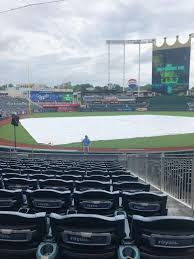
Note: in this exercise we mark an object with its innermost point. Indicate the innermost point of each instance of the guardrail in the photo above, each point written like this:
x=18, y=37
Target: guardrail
x=173, y=175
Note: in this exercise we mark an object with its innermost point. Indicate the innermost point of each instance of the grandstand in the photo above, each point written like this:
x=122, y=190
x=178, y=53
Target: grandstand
x=99, y=206
x=10, y=105
x=169, y=103
x=54, y=101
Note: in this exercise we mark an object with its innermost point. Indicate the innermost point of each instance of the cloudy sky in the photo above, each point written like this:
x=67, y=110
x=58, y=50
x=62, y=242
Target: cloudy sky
x=66, y=41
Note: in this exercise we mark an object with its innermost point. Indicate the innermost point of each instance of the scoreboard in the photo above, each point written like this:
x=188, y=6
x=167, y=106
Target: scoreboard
x=49, y=96
x=170, y=70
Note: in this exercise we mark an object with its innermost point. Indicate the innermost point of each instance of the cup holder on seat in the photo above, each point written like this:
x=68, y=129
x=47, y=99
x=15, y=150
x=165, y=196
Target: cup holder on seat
x=128, y=252
x=47, y=250
x=23, y=210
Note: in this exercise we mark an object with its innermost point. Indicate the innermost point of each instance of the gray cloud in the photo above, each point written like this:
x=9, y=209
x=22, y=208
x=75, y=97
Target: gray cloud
x=66, y=41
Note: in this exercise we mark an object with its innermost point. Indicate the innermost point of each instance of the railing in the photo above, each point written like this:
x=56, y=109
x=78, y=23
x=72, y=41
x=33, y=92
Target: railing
x=173, y=175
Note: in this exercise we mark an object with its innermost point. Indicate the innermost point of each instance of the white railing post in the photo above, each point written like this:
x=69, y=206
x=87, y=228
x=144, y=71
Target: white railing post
x=192, y=186
x=162, y=172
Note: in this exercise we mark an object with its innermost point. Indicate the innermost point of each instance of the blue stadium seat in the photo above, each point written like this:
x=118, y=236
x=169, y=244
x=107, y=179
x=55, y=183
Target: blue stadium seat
x=21, y=234
x=52, y=172
x=75, y=172
x=30, y=171
x=96, y=202
x=41, y=176
x=164, y=237
x=56, y=184
x=97, y=172
x=48, y=201
x=91, y=185
x=20, y=183
x=119, y=172
x=144, y=203
x=10, y=171
x=101, y=178
x=14, y=175
x=131, y=187
x=10, y=200
x=124, y=178
x=67, y=177
x=87, y=236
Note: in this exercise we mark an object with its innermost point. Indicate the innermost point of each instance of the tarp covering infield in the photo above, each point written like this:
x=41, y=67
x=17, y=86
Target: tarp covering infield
x=65, y=130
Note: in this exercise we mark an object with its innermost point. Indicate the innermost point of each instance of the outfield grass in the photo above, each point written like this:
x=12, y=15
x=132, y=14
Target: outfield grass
x=6, y=132
x=82, y=114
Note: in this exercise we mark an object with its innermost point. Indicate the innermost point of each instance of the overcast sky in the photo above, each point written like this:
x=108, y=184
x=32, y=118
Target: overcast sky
x=66, y=41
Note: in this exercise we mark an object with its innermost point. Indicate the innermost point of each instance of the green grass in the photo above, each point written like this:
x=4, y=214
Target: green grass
x=82, y=114
x=148, y=142
x=6, y=132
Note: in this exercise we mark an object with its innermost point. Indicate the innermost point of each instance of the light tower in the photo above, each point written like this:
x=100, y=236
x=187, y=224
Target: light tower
x=124, y=43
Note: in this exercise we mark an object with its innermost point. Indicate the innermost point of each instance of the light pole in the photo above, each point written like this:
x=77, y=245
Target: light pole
x=124, y=43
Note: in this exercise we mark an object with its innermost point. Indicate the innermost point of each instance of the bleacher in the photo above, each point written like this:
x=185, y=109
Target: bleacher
x=168, y=103
x=108, y=107
x=85, y=210
x=10, y=105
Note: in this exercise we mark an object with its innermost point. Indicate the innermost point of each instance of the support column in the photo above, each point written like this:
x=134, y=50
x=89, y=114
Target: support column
x=108, y=64
x=139, y=72
x=123, y=67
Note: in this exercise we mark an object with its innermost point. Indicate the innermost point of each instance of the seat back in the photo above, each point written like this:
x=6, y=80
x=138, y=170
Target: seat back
x=11, y=171
x=41, y=176
x=97, y=172
x=30, y=171
x=96, y=202
x=76, y=172
x=10, y=200
x=90, y=185
x=20, y=183
x=87, y=236
x=124, y=178
x=67, y=177
x=131, y=187
x=20, y=234
x=144, y=204
x=164, y=237
x=48, y=201
x=101, y=178
x=53, y=172
x=14, y=175
x=56, y=184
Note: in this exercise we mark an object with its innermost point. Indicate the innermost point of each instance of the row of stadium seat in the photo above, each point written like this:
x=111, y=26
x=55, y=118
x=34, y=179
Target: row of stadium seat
x=70, y=164
x=62, y=171
x=92, y=201
x=86, y=236
x=93, y=217
x=62, y=185
x=72, y=177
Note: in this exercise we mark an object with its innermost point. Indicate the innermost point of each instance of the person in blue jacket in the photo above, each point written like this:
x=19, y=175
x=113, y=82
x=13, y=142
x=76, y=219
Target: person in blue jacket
x=86, y=144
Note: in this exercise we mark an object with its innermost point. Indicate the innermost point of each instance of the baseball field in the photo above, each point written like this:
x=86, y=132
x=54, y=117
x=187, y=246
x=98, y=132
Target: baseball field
x=177, y=140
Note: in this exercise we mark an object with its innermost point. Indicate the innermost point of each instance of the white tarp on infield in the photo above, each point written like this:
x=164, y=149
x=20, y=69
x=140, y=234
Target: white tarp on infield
x=65, y=130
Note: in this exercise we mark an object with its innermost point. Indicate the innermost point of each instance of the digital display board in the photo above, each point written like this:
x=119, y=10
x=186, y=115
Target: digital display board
x=170, y=70
x=49, y=96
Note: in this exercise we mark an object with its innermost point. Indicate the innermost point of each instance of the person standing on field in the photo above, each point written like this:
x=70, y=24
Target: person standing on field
x=86, y=144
